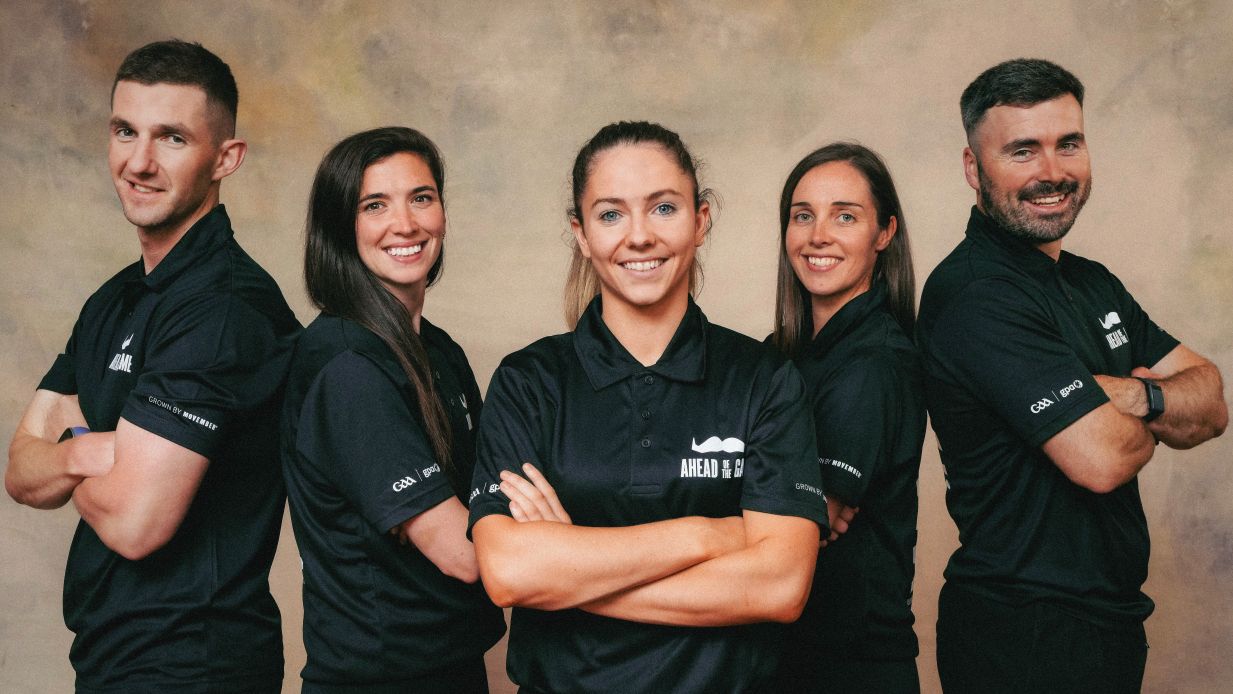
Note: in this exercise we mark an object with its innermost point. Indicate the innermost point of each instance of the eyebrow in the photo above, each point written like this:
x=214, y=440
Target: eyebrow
x=653, y=196
x=837, y=203
x=376, y=195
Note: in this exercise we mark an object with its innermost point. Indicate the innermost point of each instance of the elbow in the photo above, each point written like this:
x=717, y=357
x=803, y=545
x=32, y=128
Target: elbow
x=785, y=604
x=500, y=590
x=132, y=540
x=467, y=572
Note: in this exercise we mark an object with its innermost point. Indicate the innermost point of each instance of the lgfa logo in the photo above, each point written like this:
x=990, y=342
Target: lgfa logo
x=121, y=361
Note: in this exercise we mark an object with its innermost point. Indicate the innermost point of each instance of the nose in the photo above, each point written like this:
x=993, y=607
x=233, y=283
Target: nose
x=142, y=160
x=820, y=234
x=640, y=235
x=404, y=220
x=1050, y=167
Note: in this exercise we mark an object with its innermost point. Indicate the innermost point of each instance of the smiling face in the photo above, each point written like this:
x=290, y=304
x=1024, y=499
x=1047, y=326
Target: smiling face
x=1031, y=169
x=638, y=224
x=399, y=222
x=164, y=155
x=833, y=238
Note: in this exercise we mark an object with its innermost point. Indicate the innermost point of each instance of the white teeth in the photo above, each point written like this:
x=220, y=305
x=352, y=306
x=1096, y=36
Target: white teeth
x=142, y=189
x=821, y=262
x=642, y=264
x=403, y=251
x=1051, y=200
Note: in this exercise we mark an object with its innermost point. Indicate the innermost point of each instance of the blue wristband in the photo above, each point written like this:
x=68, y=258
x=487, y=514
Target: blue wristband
x=73, y=432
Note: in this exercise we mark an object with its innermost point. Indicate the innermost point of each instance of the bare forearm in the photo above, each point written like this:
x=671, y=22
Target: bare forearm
x=38, y=473
x=1195, y=410
x=768, y=581
x=552, y=566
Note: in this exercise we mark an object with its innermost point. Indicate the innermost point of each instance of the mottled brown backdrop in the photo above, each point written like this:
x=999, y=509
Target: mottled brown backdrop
x=511, y=90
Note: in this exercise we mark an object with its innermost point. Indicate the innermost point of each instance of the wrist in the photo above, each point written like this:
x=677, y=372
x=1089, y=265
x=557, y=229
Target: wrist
x=1153, y=397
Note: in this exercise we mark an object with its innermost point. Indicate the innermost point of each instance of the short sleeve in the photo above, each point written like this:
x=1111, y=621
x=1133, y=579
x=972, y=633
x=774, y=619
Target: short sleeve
x=853, y=415
x=62, y=376
x=997, y=342
x=1149, y=342
x=357, y=428
x=207, y=360
x=781, y=474
x=506, y=440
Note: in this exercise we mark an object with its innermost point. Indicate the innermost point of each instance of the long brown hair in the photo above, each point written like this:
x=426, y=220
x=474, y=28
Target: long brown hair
x=340, y=284
x=582, y=284
x=793, y=317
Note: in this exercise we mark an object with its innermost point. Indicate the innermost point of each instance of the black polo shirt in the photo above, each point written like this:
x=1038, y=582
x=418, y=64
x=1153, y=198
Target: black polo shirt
x=716, y=426
x=357, y=461
x=1010, y=341
x=864, y=381
x=195, y=352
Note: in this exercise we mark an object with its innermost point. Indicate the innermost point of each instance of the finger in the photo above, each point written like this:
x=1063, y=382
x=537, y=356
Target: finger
x=530, y=492
x=515, y=510
x=550, y=495
x=529, y=509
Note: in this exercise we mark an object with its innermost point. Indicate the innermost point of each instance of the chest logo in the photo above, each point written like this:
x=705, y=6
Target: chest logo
x=714, y=468
x=1115, y=338
x=718, y=445
x=122, y=361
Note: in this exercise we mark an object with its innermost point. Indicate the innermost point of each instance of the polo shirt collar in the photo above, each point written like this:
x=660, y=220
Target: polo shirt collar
x=207, y=234
x=848, y=318
x=606, y=360
x=1017, y=252
x=364, y=341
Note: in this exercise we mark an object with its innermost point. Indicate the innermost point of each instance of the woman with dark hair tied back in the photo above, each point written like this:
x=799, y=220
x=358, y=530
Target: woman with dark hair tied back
x=377, y=435
x=844, y=311
x=646, y=491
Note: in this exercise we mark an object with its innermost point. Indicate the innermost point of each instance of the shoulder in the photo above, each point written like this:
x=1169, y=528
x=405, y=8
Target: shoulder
x=338, y=348
x=546, y=356
x=726, y=347
x=228, y=277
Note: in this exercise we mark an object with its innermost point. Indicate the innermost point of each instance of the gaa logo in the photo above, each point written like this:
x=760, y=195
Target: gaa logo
x=1040, y=405
x=403, y=484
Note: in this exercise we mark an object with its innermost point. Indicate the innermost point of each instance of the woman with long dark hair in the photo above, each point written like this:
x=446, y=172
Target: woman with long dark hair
x=844, y=311
x=377, y=435
x=647, y=494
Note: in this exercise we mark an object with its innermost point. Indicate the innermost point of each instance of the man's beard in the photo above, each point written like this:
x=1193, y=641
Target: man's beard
x=1023, y=224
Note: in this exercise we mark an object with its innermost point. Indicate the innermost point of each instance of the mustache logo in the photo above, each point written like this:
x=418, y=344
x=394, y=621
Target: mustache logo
x=717, y=445
x=1110, y=320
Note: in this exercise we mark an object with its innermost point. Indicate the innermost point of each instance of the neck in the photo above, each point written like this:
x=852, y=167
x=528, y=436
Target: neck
x=824, y=308
x=645, y=331
x=413, y=300
x=1053, y=249
x=157, y=242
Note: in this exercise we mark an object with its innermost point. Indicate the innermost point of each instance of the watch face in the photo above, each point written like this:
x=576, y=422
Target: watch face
x=1155, y=399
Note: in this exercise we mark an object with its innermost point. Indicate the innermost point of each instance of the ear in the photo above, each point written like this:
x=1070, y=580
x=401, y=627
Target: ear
x=230, y=156
x=702, y=223
x=580, y=236
x=971, y=168
x=886, y=234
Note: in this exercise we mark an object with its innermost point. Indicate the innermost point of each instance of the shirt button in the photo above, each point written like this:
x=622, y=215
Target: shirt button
x=648, y=379
x=646, y=443
x=646, y=414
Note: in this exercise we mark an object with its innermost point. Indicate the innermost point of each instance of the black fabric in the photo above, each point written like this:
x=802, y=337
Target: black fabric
x=620, y=444
x=989, y=646
x=358, y=462
x=1010, y=341
x=469, y=677
x=195, y=352
x=823, y=675
x=864, y=381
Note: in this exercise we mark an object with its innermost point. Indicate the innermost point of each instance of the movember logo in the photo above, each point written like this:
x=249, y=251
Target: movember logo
x=718, y=445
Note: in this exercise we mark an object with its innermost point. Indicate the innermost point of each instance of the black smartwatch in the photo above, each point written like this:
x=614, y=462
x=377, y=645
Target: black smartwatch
x=1155, y=399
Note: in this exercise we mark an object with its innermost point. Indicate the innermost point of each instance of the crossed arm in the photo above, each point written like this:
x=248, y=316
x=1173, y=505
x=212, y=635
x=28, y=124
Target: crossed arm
x=690, y=571
x=133, y=487
x=1108, y=446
